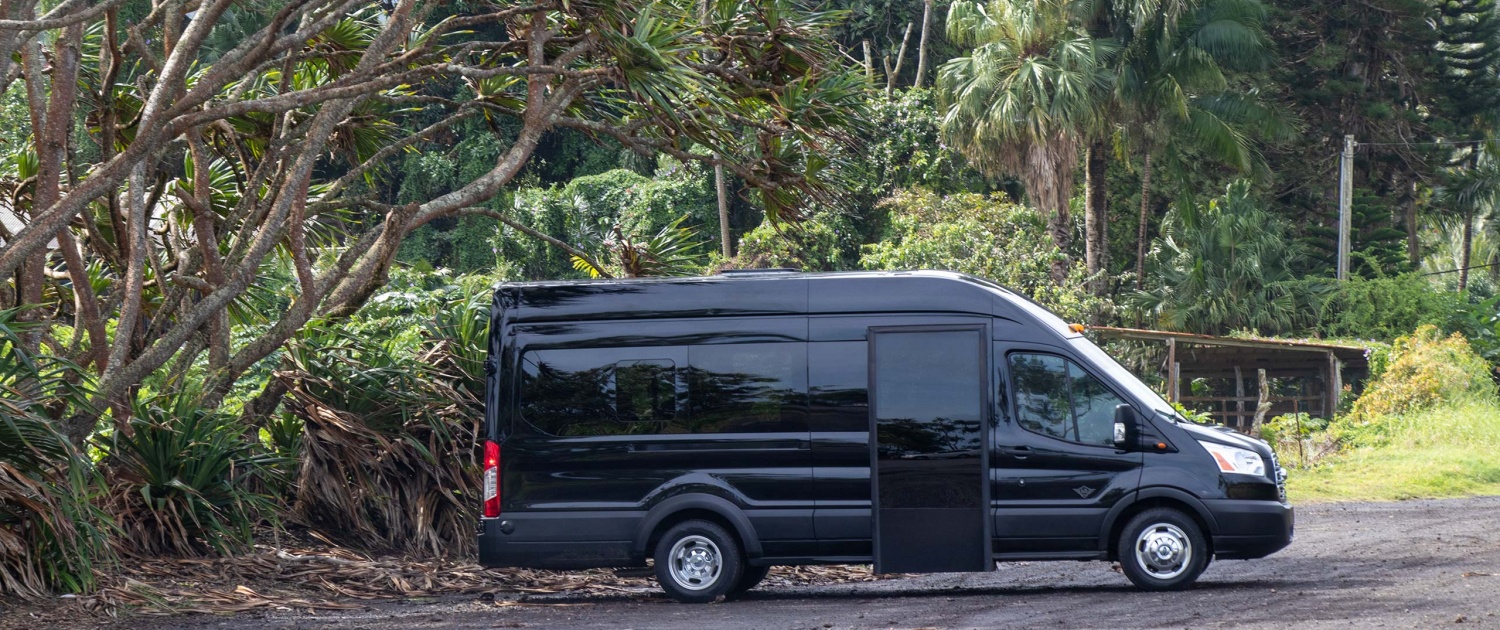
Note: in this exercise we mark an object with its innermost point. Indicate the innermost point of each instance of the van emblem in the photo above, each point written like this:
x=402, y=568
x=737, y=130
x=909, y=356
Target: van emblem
x=1084, y=491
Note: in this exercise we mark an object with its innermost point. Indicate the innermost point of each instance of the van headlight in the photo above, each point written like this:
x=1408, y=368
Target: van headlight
x=1236, y=460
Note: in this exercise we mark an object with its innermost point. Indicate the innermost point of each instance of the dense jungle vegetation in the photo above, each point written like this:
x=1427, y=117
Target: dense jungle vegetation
x=245, y=245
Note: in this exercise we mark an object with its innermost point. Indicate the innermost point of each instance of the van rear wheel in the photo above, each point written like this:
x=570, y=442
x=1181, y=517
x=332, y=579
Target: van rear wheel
x=698, y=562
x=1162, y=549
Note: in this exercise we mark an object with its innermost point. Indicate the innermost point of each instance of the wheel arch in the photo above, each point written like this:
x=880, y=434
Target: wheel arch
x=1156, y=497
x=687, y=507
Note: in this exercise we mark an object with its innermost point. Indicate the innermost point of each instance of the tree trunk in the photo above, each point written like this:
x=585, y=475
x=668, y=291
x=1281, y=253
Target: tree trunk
x=1059, y=228
x=869, y=63
x=892, y=72
x=1140, y=236
x=1096, y=217
x=1413, y=245
x=723, y=192
x=1468, y=250
x=922, y=43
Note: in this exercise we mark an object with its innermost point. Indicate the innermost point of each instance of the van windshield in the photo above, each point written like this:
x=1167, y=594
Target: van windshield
x=1121, y=376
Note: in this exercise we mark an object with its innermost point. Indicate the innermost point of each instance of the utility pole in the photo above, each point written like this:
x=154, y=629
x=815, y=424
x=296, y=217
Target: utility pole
x=1346, y=195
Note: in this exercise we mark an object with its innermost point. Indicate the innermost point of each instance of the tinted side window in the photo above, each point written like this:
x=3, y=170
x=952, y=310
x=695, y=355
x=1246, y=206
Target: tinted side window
x=646, y=391
x=838, y=375
x=567, y=392
x=752, y=387
x=1055, y=397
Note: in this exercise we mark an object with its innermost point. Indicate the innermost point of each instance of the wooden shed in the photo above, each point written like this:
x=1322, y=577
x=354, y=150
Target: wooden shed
x=1315, y=372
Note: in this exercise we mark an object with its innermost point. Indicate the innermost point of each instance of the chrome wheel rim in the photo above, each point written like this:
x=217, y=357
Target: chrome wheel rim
x=695, y=563
x=1163, y=551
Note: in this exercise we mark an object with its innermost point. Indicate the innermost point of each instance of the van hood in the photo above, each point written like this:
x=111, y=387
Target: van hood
x=1225, y=436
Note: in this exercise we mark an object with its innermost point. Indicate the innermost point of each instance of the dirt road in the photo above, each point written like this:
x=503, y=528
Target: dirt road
x=1416, y=564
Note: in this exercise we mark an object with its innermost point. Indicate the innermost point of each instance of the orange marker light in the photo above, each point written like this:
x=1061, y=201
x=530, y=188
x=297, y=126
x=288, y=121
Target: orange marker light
x=1078, y=328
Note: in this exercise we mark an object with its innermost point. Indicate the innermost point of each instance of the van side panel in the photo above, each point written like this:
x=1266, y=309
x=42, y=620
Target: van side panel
x=619, y=417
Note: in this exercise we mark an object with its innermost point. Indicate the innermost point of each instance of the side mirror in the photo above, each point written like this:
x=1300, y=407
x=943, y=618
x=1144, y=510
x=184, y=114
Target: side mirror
x=1125, y=425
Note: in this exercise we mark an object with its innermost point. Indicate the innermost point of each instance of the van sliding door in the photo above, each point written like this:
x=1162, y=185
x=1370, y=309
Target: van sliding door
x=928, y=393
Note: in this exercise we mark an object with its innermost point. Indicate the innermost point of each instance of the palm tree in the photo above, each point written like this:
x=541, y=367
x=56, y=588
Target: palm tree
x=1227, y=265
x=1024, y=100
x=1172, y=90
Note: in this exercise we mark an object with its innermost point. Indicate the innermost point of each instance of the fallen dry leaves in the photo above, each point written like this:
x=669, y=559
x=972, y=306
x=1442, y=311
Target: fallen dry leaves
x=332, y=578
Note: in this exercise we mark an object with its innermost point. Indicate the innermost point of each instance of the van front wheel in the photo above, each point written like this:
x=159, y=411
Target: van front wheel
x=698, y=562
x=1162, y=549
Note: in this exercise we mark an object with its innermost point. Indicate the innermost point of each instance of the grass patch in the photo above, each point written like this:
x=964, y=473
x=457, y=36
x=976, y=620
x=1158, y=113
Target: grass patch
x=1450, y=450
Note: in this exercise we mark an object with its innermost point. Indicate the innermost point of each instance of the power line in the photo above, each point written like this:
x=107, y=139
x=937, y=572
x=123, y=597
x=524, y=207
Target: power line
x=1419, y=144
x=1471, y=268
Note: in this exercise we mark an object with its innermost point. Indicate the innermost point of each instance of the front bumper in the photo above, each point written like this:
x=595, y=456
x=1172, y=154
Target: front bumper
x=1251, y=529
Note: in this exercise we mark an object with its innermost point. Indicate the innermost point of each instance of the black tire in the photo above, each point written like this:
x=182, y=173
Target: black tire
x=1162, y=549
x=750, y=579
x=698, y=562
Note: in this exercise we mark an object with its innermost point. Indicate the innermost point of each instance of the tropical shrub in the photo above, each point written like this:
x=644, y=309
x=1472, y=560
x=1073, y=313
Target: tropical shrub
x=51, y=535
x=811, y=245
x=1225, y=266
x=183, y=479
x=1385, y=308
x=1424, y=369
x=387, y=453
x=985, y=236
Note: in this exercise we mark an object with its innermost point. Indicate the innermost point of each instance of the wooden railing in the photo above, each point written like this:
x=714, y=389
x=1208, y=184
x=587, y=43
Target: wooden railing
x=1224, y=409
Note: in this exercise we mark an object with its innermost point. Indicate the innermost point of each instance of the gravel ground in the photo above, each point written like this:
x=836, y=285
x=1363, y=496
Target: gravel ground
x=1400, y=565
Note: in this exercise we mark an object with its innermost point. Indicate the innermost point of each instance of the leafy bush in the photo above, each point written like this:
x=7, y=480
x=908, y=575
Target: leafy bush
x=985, y=236
x=51, y=535
x=390, y=424
x=1422, y=370
x=1292, y=426
x=1385, y=308
x=1480, y=324
x=810, y=246
x=182, y=479
x=1225, y=266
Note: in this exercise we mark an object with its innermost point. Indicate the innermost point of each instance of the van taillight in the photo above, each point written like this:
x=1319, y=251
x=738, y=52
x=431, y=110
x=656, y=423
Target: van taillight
x=491, y=479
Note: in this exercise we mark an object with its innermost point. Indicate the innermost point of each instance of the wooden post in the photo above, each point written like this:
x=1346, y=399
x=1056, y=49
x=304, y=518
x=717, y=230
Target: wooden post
x=1177, y=382
x=1334, y=385
x=1239, y=394
x=1264, y=406
x=1172, y=370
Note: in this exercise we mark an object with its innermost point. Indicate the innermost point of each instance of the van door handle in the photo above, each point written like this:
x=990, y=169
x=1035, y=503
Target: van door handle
x=1018, y=452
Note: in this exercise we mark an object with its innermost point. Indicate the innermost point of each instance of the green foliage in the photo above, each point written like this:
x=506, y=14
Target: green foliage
x=1424, y=369
x=1385, y=308
x=390, y=409
x=182, y=479
x=811, y=245
x=1479, y=322
x=1377, y=249
x=51, y=535
x=587, y=210
x=1224, y=266
x=1198, y=417
x=1444, y=451
x=672, y=251
x=1021, y=102
x=985, y=236
x=1291, y=426
x=905, y=149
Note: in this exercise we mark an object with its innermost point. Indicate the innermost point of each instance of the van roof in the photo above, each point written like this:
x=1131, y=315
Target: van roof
x=768, y=292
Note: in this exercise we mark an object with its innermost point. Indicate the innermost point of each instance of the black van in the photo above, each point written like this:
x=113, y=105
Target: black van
x=922, y=421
